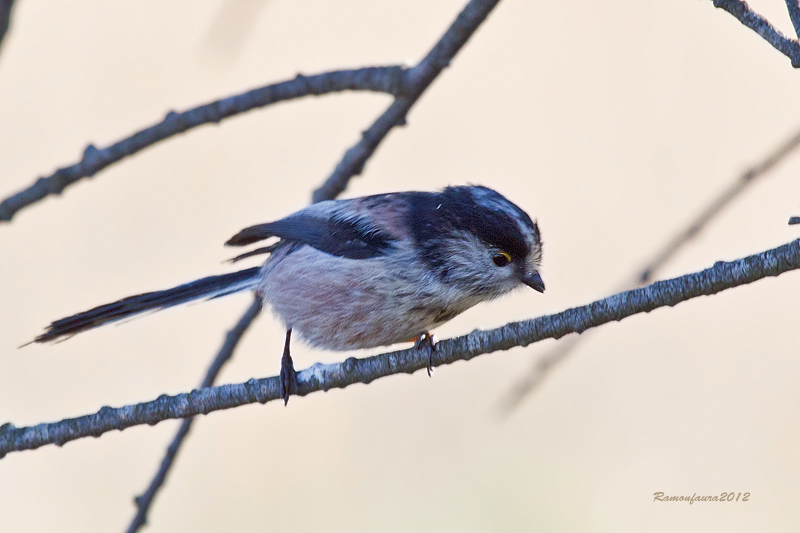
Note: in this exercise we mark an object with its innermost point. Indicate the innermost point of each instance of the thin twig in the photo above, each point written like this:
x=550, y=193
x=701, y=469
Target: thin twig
x=721, y=276
x=550, y=360
x=541, y=369
x=376, y=79
x=416, y=80
x=232, y=339
x=717, y=206
x=739, y=9
x=5, y=18
x=794, y=13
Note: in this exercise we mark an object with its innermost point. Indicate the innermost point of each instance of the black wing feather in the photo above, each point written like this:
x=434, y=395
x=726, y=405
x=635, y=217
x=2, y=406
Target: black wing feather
x=343, y=237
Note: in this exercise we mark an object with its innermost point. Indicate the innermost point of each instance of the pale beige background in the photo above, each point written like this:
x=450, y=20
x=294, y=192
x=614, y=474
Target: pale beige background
x=612, y=122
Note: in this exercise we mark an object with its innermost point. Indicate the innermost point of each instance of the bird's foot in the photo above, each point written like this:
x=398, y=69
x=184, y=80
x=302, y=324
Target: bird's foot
x=426, y=341
x=288, y=375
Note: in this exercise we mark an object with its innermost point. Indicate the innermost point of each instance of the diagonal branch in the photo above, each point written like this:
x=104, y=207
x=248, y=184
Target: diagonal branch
x=739, y=9
x=232, y=339
x=406, y=85
x=549, y=361
x=376, y=79
x=540, y=370
x=5, y=18
x=717, y=206
x=794, y=13
x=721, y=276
x=416, y=80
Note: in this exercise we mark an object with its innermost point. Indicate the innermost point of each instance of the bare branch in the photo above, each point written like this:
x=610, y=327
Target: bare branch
x=406, y=86
x=416, y=80
x=232, y=339
x=550, y=360
x=739, y=9
x=717, y=206
x=794, y=13
x=5, y=18
x=377, y=79
x=721, y=276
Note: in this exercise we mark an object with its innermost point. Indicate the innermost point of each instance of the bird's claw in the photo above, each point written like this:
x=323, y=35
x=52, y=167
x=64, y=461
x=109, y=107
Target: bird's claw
x=288, y=375
x=426, y=340
x=288, y=378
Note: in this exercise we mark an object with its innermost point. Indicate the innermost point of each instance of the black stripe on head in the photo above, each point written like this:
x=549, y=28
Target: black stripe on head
x=436, y=217
x=490, y=196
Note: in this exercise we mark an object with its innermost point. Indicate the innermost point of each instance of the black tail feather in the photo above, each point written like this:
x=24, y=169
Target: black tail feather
x=210, y=287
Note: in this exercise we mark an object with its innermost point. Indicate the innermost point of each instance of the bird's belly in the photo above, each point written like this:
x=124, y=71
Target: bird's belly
x=345, y=328
x=346, y=304
x=336, y=321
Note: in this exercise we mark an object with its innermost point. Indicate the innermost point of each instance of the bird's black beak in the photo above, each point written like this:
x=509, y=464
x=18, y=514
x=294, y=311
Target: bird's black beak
x=534, y=281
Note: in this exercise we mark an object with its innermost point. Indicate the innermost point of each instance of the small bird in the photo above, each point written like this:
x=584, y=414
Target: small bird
x=365, y=272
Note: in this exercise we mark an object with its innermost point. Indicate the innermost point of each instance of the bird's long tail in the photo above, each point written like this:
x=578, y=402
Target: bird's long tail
x=210, y=287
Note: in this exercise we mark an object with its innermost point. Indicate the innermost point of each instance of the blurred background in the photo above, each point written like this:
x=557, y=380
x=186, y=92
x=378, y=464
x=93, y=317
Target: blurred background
x=613, y=123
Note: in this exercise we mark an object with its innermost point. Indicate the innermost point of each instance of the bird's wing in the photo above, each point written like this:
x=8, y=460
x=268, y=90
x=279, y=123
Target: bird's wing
x=351, y=237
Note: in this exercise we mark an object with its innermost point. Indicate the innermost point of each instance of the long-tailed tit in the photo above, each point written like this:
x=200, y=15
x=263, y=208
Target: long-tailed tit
x=365, y=272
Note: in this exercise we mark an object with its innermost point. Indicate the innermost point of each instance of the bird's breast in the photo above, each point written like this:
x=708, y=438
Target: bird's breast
x=344, y=304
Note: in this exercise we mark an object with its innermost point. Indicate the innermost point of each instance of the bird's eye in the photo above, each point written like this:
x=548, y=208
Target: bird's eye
x=501, y=259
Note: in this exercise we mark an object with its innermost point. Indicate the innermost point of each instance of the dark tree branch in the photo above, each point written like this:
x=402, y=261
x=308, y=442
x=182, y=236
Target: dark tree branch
x=416, y=80
x=5, y=18
x=319, y=377
x=232, y=339
x=739, y=9
x=406, y=86
x=794, y=13
x=550, y=360
x=794, y=220
x=377, y=79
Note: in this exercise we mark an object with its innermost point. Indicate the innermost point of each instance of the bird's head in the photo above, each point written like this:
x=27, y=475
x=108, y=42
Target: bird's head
x=477, y=241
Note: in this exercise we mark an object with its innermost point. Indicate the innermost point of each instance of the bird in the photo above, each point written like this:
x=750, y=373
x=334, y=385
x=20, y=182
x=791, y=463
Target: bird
x=364, y=272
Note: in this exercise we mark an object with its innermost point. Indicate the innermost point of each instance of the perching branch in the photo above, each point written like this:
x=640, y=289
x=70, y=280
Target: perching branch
x=319, y=377
x=415, y=81
x=232, y=339
x=389, y=80
x=549, y=361
x=739, y=9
